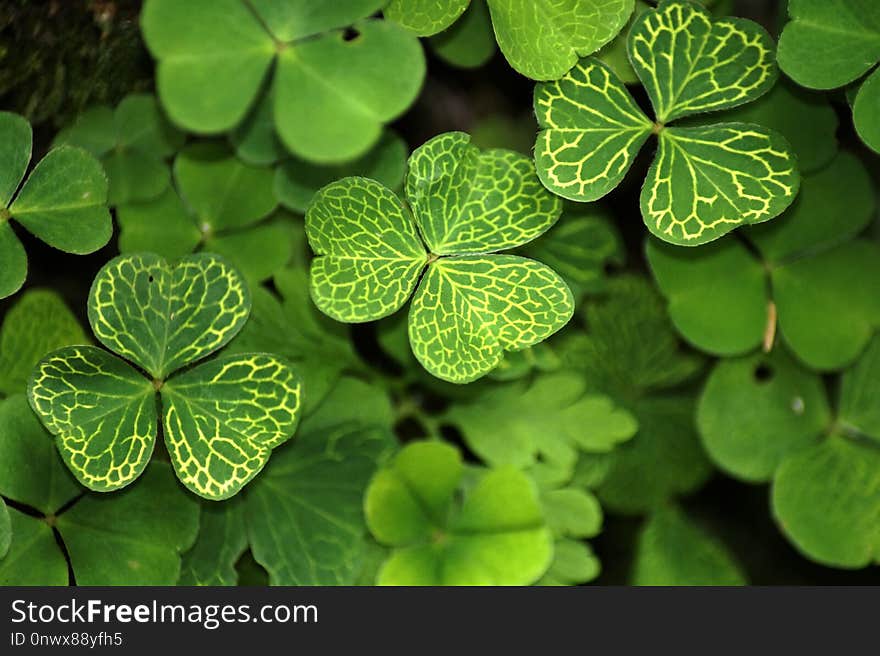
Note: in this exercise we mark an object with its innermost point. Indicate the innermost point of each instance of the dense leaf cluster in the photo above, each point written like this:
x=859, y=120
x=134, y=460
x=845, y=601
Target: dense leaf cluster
x=322, y=337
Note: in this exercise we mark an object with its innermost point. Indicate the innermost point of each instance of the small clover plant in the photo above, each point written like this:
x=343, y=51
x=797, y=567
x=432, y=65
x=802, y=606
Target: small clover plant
x=828, y=45
x=213, y=56
x=221, y=419
x=726, y=298
x=765, y=418
x=541, y=40
x=471, y=304
x=217, y=204
x=63, y=201
x=133, y=141
x=118, y=539
x=705, y=181
x=496, y=536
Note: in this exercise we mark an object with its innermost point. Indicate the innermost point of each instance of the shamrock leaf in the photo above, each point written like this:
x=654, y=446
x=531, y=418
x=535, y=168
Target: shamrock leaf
x=848, y=35
x=631, y=353
x=674, y=551
x=823, y=464
x=209, y=77
x=471, y=305
x=62, y=202
x=108, y=539
x=541, y=40
x=549, y=419
x=38, y=323
x=705, y=181
x=305, y=513
x=131, y=142
x=496, y=536
x=217, y=206
x=221, y=419
x=718, y=295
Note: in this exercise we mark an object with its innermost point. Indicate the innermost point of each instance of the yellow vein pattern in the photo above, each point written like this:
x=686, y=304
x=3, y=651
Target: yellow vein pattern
x=223, y=418
x=469, y=310
x=102, y=411
x=368, y=254
x=468, y=201
x=590, y=131
x=689, y=63
x=164, y=316
x=706, y=181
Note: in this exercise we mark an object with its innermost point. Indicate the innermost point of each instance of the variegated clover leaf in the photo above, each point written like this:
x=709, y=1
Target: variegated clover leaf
x=221, y=418
x=471, y=304
x=132, y=143
x=542, y=39
x=705, y=180
x=213, y=56
x=217, y=204
x=63, y=201
x=797, y=273
x=496, y=536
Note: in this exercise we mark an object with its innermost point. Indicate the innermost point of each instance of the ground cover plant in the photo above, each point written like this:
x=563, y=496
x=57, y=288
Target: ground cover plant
x=406, y=292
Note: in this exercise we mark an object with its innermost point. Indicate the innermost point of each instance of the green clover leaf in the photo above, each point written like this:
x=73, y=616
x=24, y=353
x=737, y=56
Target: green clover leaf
x=116, y=539
x=132, y=144
x=496, y=536
x=823, y=463
x=217, y=204
x=807, y=259
x=847, y=34
x=471, y=305
x=213, y=56
x=548, y=419
x=541, y=40
x=631, y=354
x=38, y=323
x=62, y=202
x=221, y=419
x=672, y=550
x=705, y=181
